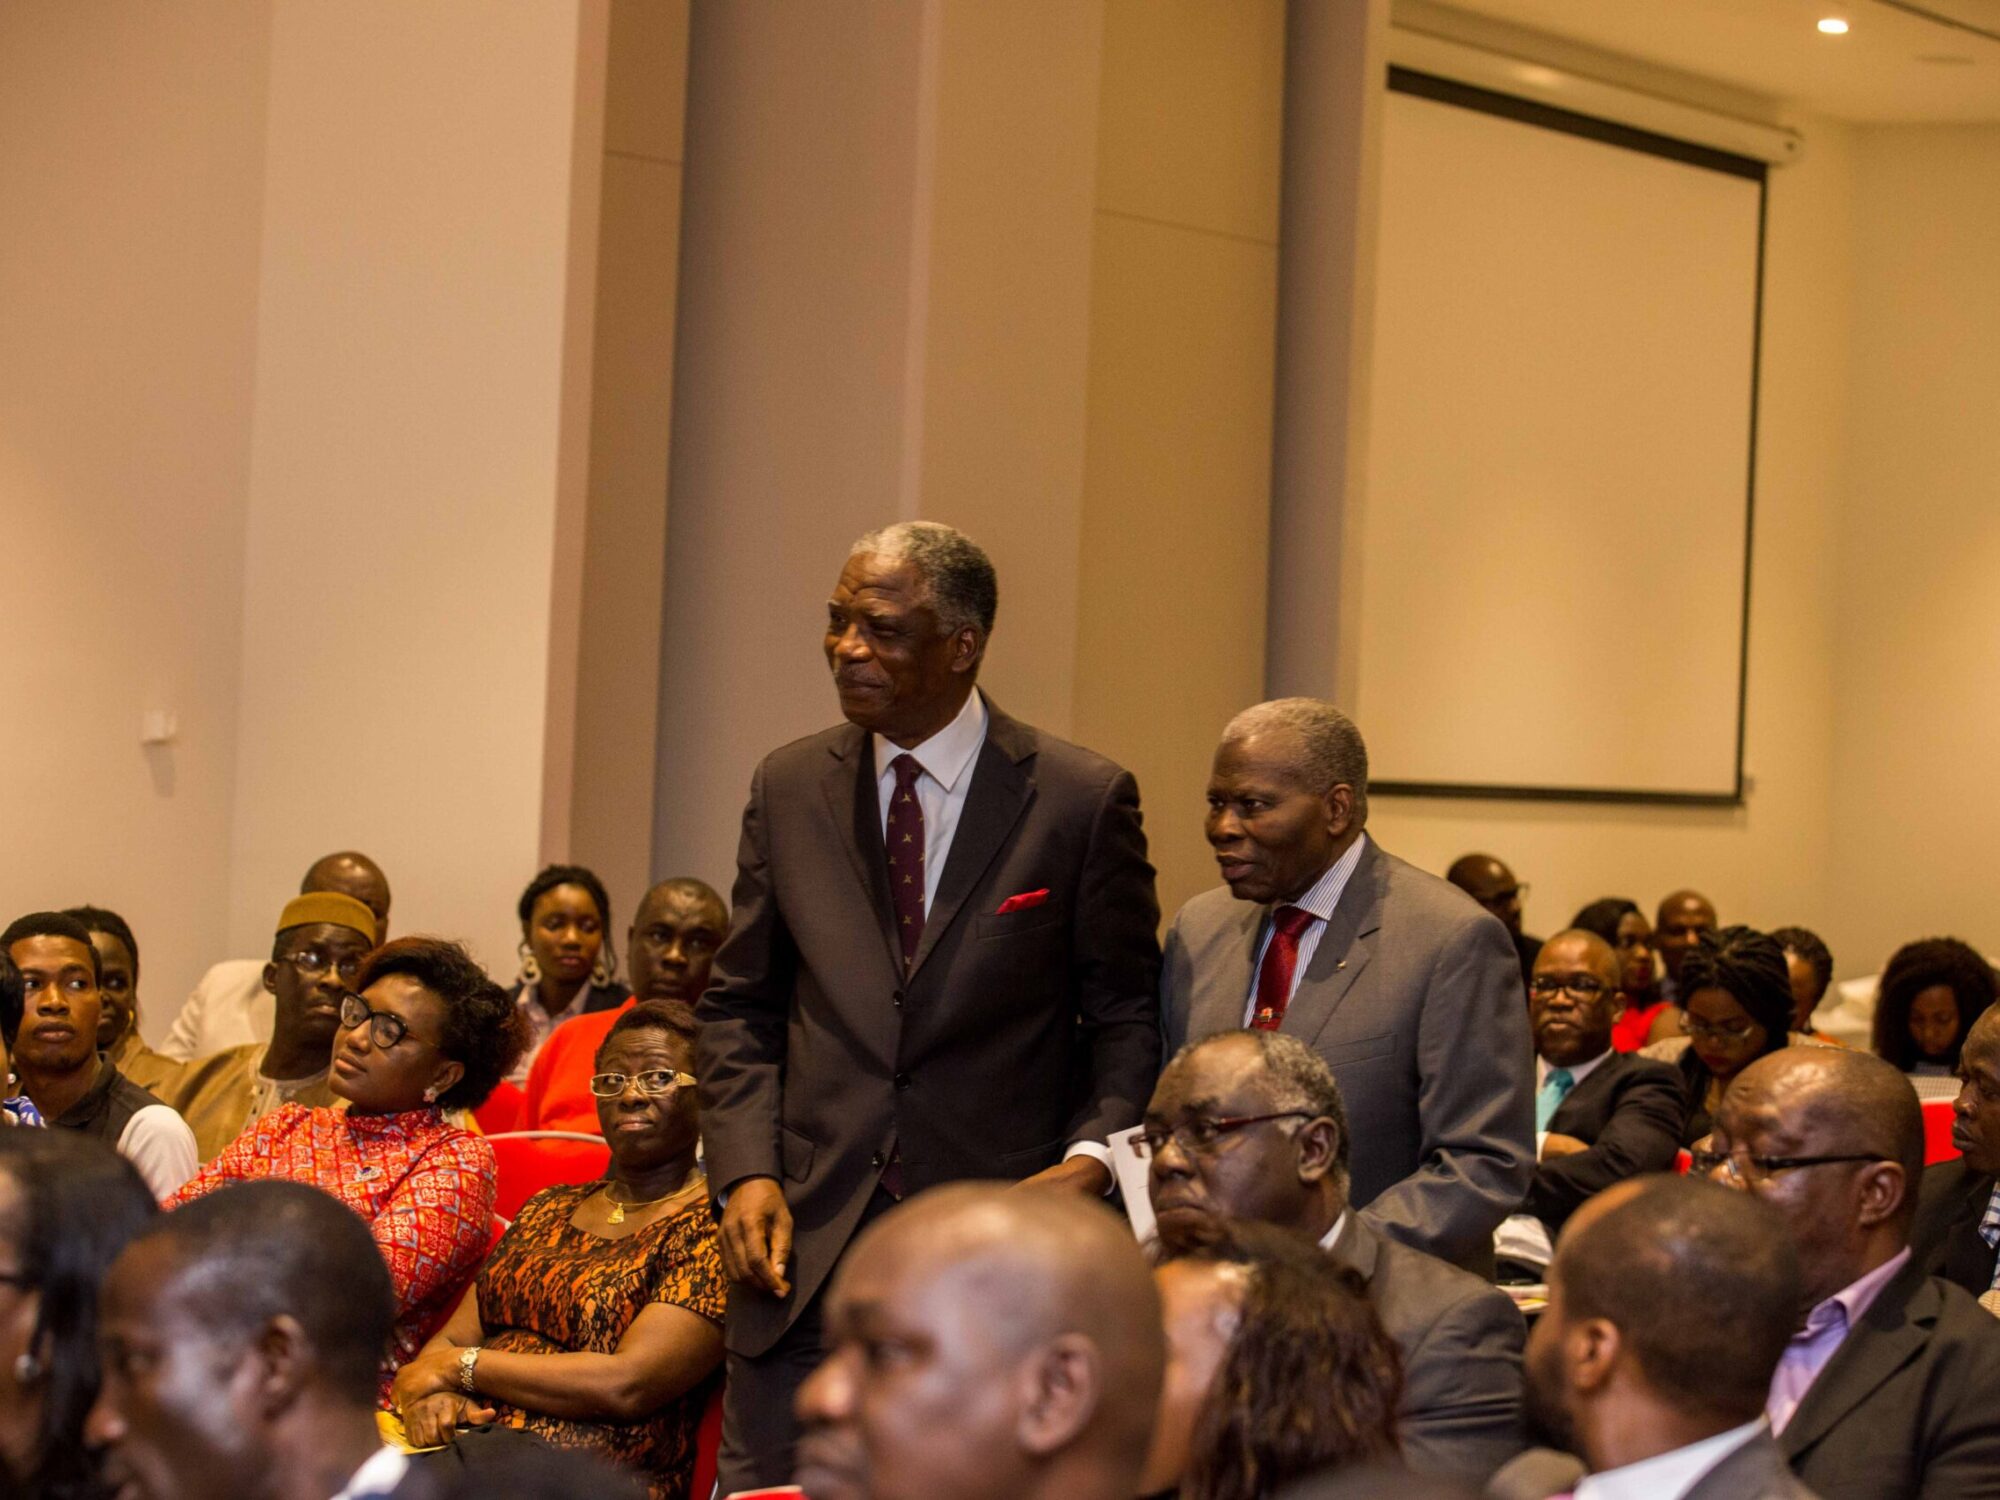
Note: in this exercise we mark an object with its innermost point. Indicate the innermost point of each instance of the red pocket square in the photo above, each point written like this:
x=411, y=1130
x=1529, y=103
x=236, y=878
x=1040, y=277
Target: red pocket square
x=1023, y=901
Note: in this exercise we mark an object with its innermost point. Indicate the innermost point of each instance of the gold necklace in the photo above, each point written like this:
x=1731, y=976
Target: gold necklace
x=618, y=1208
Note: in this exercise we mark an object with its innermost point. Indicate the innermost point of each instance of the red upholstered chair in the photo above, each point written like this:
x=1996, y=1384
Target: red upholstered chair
x=530, y=1160
x=1683, y=1160
x=502, y=1112
x=707, y=1445
x=1937, y=1132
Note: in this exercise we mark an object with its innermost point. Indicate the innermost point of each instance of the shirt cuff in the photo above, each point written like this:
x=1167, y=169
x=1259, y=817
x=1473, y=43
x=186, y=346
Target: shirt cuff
x=1099, y=1152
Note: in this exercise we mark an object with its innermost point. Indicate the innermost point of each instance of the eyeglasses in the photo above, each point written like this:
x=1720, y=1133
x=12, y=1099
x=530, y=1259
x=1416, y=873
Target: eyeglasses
x=1727, y=1031
x=1747, y=1169
x=384, y=1029
x=314, y=962
x=1200, y=1135
x=1583, y=986
x=654, y=1083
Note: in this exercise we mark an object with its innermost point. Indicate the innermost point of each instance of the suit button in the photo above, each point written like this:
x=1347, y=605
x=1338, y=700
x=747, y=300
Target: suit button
x=902, y=1080
x=897, y=999
x=878, y=1161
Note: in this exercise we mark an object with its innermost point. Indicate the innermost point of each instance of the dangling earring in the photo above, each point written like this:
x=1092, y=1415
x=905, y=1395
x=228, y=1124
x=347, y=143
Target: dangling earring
x=531, y=972
x=27, y=1370
x=600, y=972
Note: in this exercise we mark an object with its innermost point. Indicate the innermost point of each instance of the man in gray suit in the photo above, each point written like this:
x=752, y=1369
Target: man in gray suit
x=943, y=965
x=1658, y=1402
x=1409, y=991
x=1249, y=1126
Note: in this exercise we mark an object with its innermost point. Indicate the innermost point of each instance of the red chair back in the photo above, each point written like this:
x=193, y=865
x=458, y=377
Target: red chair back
x=502, y=1112
x=530, y=1160
x=707, y=1445
x=1683, y=1160
x=1937, y=1132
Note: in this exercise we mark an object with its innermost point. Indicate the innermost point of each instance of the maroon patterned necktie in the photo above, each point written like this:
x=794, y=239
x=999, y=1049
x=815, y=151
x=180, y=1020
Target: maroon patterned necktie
x=1274, y=975
x=905, y=839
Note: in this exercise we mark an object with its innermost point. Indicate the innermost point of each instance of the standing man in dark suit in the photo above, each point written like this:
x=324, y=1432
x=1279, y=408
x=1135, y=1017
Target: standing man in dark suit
x=942, y=966
x=1957, y=1233
x=1600, y=1116
x=1888, y=1386
x=1406, y=988
x=1249, y=1125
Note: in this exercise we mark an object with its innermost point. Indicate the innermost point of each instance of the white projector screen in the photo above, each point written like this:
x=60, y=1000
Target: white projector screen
x=1554, y=544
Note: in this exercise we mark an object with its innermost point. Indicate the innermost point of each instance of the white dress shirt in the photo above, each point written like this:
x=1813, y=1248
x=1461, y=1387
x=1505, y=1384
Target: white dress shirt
x=379, y=1476
x=1666, y=1476
x=1320, y=901
x=947, y=759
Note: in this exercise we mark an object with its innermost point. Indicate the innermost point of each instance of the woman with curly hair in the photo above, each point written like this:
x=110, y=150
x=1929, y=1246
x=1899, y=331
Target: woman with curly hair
x=1737, y=997
x=568, y=966
x=1930, y=994
x=425, y=1032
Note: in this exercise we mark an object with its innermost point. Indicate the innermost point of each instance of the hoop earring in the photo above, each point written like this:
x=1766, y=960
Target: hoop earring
x=600, y=972
x=531, y=972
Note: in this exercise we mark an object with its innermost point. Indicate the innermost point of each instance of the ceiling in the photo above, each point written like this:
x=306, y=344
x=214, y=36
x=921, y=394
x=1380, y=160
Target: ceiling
x=1902, y=61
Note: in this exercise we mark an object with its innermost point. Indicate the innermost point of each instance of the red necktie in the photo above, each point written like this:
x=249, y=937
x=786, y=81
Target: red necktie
x=905, y=840
x=1281, y=957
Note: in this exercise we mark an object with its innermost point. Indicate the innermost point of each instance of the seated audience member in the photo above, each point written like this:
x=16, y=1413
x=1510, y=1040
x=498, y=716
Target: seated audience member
x=55, y=1056
x=568, y=967
x=1601, y=1115
x=1249, y=1125
x=1888, y=1386
x=985, y=1344
x=672, y=944
x=118, y=995
x=428, y=1032
x=597, y=1320
x=230, y=1006
x=67, y=1207
x=1678, y=925
x=1738, y=1007
x=321, y=942
x=1931, y=993
x=241, y=1336
x=1957, y=1230
x=1621, y=924
x=1488, y=881
x=1669, y=1304
x=1277, y=1366
x=1810, y=963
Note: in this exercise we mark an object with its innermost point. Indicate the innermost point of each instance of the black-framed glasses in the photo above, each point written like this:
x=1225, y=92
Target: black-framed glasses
x=1201, y=1134
x=315, y=962
x=384, y=1030
x=654, y=1083
x=1746, y=1168
x=1582, y=986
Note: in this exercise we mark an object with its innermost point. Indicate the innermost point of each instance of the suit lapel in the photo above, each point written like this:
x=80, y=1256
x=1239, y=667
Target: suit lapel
x=849, y=786
x=1344, y=949
x=1890, y=1334
x=1584, y=1107
x=1002, y=787
x=1969, y=1260
x=1223, y=995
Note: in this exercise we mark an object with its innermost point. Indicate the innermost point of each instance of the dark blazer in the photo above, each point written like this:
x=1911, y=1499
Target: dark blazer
x=1631, y=1110
x=1460, y=1339
x=1414, y=1000
x=1905, y=1407
x=1945, y=1237
x=1755, y=1470
x=1011, y=1037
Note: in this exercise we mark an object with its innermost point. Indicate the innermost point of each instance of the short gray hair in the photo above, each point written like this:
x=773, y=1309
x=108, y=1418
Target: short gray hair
x=959, y=581
x=1334, y=752
x=1299, y=1079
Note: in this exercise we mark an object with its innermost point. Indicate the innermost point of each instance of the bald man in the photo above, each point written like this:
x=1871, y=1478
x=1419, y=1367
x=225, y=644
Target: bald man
x=1678, y=925
x=230, y=1007
x=1888, y=1387
x=985, y=1345
x=1487, y=880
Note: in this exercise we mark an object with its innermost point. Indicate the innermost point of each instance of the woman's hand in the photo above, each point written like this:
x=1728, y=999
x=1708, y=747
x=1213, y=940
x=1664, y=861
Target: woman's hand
x=433, y=1421
x=431, y=1373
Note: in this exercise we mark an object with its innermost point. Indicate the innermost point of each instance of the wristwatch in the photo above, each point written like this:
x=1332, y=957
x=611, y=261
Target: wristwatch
x=468, y=1359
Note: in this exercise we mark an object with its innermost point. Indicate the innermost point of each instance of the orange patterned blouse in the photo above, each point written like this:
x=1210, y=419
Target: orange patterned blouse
x=425, y=1188
x=551, y=1288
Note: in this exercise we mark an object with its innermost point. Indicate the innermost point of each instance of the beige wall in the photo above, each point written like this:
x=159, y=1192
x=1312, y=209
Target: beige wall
x=131, y=180
x=1914, y=814
x=413, y=559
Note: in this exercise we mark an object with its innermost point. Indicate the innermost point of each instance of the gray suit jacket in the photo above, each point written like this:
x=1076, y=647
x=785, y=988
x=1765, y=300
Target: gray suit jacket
x=1754, y=1471
x=1014, y=1034
x=1414, y=999
x=1460, y=1339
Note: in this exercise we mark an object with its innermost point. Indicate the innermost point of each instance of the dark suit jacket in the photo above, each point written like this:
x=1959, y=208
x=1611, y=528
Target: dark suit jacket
x=1906, y=1406
x=1753, y=1471
x=1631, y=1110
x=1945, y=1238
x=1414, y=999
x=1011, y=1037
x=1460, y=1339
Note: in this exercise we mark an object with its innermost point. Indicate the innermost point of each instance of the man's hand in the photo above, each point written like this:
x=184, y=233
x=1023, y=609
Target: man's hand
x=1555, y=1145
x=436, y=1419
x=1082, y=1173
x=757, y=1235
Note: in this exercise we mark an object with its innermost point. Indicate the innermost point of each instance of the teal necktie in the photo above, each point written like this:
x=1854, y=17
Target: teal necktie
x=1554, y=1087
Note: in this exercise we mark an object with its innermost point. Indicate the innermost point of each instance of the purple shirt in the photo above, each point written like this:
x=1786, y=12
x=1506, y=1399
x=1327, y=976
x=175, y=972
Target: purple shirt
x=1813, y=1345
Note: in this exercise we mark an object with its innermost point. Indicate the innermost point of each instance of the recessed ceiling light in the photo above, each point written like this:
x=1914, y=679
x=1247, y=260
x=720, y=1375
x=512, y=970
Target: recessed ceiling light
x=1833, y=26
